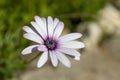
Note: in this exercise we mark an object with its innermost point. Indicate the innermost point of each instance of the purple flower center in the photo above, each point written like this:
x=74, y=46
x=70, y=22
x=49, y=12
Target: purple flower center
x=50, y=44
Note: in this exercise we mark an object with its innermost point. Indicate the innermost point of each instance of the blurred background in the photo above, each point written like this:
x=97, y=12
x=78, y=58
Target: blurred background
x=97, y=20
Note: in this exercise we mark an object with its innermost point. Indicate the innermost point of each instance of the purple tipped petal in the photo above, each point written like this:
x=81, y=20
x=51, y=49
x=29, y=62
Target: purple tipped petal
x=30, y=49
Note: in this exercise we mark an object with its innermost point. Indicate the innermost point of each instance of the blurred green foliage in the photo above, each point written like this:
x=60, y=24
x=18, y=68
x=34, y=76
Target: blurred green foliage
x=16, y=13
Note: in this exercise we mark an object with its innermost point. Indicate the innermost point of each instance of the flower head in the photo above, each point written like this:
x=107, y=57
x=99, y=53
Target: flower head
x=46, y=33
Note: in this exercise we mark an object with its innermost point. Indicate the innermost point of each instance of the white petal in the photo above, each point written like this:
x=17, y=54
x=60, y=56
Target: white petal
x=43, y=59
x=45, y=25
x=73, y=44
x=70, y=37
x=30, y=49
x=42, y=48
x=28, y=30
x=33, y=37
x=53, y=58
x=58, y=29
x=39, y=21
x=50, y=26
x=56, y=21
x=77, y=58
x=42, y=25
x=69, y=51
x=38, y=29
x=63, y=59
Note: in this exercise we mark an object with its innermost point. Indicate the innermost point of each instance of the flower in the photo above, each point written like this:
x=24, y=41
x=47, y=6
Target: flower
x=46, y=33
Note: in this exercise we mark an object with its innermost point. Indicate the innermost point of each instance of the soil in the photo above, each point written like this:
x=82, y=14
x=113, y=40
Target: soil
x=102, y=63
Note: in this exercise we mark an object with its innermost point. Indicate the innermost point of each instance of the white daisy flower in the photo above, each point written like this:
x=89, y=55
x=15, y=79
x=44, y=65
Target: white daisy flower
x=46, y=33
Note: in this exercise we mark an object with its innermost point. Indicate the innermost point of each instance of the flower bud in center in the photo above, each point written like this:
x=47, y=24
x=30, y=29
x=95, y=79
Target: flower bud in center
x=51, y=44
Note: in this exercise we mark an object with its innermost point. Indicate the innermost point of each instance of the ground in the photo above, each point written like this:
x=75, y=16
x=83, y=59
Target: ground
x=102, y=63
